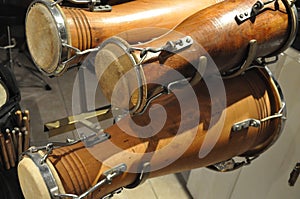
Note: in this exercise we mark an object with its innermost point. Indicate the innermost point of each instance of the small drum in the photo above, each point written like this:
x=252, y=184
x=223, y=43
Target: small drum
x=57, y=36
x=233, y=33
x=250, y=122
x=3, y=94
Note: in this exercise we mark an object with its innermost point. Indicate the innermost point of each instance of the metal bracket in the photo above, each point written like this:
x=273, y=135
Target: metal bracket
x=170, y=46
x=201, y=67
x=245, y=124
x=100, y=8
x=94, y=138
x=253, y=11
x=175, y=46
x=45, y=172
x=110, y=195
x=231, y=164
x=14, y=43
x=252, y=52
x=142, y=176
x=109, y=176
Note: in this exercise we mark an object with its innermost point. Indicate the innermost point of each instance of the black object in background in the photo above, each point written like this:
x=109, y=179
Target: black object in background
x=9, y=183
x=296, y=43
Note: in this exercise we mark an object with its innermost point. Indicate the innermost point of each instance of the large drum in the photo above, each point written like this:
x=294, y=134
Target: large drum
x=233, y=33
x=57, y=35
x=250, y=122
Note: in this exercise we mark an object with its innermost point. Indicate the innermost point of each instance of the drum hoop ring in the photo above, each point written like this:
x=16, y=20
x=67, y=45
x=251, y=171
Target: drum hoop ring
x=293, y=17
x=6, y=92
x=58, y=17
x=138, y=70
x=46, y=173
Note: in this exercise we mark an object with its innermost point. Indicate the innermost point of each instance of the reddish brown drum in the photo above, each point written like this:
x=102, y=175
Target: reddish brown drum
x=252, y=96
x=55, y=33
x=215, y=32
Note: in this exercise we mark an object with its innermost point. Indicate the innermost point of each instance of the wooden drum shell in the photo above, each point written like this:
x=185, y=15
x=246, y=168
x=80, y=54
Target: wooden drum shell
x=216, y=34
x=253, y=95
x=142, y=20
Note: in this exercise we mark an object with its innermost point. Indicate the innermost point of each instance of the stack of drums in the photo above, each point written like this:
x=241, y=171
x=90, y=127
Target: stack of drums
x=194, y=99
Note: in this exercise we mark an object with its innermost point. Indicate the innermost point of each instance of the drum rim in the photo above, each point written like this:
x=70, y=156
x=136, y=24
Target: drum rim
x=282, y=101
x=59, y=18
x=140, y=76
x=276, y=91
x=47, y=172
x=293, y=19
x=6, y=92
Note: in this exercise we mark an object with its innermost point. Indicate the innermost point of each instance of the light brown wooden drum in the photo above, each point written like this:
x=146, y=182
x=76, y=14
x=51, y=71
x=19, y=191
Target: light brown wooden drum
x=214, y=32
x=251, y=96
x=50, y=28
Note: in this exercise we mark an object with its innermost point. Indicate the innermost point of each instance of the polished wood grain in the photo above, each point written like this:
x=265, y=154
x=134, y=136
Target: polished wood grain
x=136, y=21
x=252, y=95
x=216, y=34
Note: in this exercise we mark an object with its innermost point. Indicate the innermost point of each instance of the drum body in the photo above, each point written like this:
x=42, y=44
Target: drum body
x=55, y=34
x=252, y=96
x=214, y=32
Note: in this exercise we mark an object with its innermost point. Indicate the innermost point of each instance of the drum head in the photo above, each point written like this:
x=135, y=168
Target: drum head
x=3, y=94
x=43, y=37
x=32, y=182
x=122, y=83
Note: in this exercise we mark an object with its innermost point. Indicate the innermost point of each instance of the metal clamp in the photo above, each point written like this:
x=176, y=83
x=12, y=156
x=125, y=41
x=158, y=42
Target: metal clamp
x=142, y=176
x=94, y=138
x=109, y=176
x=76, y=54
x=170, y=46
x=252, y=52
x=14, y=43
x=45, y=172
x=253, y=11
x=231, y=164
x=245, y=124
x=256, y=123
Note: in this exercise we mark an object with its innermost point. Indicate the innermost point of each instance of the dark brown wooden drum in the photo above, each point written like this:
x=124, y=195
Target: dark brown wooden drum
x=56, y=35
x=250, y=122
x=234, y=33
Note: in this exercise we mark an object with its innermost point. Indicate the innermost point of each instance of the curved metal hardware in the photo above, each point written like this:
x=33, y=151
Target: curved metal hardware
x=256, y=123
x=245, y=124
x=110, y=195
x=231, y=164
x=77, y=53
x=109, y=176
x=142, y=175
x=164, y=90
x=170, y=46
x=44, y=170
x=293, y=17
x=14, y=43
x=253, y=11
x=249, y=60
x=201, y=67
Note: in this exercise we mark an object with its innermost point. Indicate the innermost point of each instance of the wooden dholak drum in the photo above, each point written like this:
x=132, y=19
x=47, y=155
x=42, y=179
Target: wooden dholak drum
x=250, y=122
x=234, y=33
x=57, y=36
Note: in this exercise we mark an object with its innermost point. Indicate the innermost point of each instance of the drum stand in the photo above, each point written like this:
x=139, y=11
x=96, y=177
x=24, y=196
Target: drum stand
x=10, y=60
